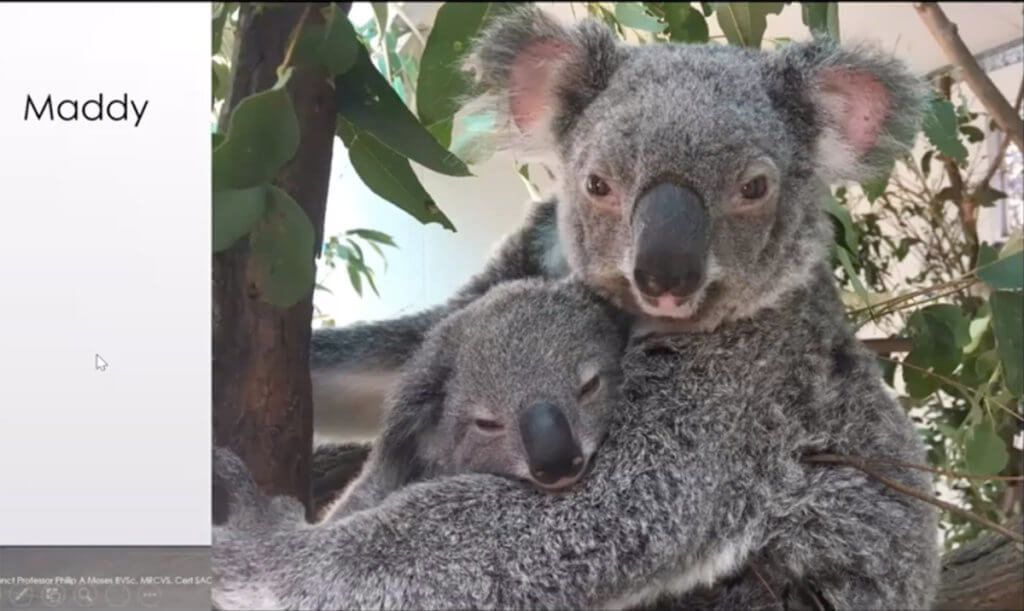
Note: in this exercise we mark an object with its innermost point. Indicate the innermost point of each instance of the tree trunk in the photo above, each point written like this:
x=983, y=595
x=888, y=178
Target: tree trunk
x=987, y=573
x=262, y=394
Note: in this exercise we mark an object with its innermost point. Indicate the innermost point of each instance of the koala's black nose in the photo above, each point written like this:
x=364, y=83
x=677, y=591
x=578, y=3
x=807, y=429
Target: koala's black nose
x=551, y=451
x=670, y=241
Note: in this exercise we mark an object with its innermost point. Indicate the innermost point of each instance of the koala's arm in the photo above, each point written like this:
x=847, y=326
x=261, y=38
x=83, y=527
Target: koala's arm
x=653, y=504
x=855, y=542
x=353, y=367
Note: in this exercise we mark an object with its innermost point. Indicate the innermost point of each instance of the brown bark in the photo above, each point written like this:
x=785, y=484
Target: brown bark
x=987, y=573
x=262, y=394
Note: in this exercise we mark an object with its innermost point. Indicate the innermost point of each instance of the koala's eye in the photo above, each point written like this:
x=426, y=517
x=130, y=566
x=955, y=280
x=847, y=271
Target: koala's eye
x=597, y=186
x=755, y=188
x=488, y=426
x=590, y=387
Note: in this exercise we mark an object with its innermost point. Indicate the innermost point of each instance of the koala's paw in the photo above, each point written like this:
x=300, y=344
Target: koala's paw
x=243, y=554
x=247, y=507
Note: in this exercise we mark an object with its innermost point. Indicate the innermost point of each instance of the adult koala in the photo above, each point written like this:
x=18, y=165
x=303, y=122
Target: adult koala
x=693, y=181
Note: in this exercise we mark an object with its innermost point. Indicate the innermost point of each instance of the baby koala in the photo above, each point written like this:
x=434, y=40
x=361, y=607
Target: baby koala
x=520, y=383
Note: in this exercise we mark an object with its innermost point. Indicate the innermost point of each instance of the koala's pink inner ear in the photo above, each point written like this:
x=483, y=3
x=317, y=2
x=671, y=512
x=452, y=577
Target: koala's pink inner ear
x=530, y=78
x=866, y=105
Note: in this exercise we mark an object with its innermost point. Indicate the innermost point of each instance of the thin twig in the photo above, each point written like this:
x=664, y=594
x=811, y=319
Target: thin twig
x=860, y=464
x=294, y=39
x=952, y=382
x=753, y=567
x=900, y=463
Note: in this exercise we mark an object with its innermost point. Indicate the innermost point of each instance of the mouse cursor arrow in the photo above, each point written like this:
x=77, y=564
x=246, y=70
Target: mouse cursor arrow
x=101, y=365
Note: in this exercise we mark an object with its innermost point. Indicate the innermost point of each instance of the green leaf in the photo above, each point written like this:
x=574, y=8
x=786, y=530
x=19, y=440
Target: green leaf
x=940, y=127
x=355, y=279
x=939, y=333
x=875, y=187
x=685, y=23
x=235, y=213
x=986, y=363
x=984, y=451
x=372, y=236
x=281, y=247
x=858, y=286
x=919, y=383
x=972, y=133
x=389, y=175
x=440, y=83
x=1004, y=273
x=1008, y=329
x=262, y=135
x=851, y=237
x=743, y=23
x=333, y=44
x=987, y=196
x=369, y=278
x=822, y=18
x=369, y=103
x=634, y=15
x=926, y=163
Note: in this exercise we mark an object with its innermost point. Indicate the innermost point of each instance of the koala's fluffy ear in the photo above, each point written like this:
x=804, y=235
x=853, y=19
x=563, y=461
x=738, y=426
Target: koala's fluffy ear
x=538, y=75
x=860, y=106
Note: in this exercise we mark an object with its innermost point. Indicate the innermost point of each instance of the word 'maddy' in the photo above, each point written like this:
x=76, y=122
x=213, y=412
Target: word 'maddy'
x=93, y=109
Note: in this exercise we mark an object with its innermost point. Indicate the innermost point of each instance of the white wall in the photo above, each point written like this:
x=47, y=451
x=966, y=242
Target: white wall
x=432, y=262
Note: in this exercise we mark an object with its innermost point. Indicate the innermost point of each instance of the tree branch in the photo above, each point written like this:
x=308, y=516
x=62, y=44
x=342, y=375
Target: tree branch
x=887, y=345
x=945, y=34
x=861, y=464
x=997, y=161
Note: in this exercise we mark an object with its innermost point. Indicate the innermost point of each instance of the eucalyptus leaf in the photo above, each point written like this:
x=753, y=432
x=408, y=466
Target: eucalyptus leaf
x=822, y=18
x=372, y=236
x=917, y=374
x=685, y=23
x=235, y=213
x=355, y=279
x=440, y=83
x=367, y=101
x=333, y=44
x=1004, y=273
x=1008, y=327
x=389, y=175
x=874, y=188
x=634, y=15
x=842, y=215
x=743, y=23
x=281, y=251
x=262, y=135
x=973, y=134
x=941, y=128
x=987, y=196
x=984, y=451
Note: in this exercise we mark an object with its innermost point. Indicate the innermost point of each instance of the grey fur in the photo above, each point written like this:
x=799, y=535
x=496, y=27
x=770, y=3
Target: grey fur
x=369, y=349
x=700, y=490
x=522, y=343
